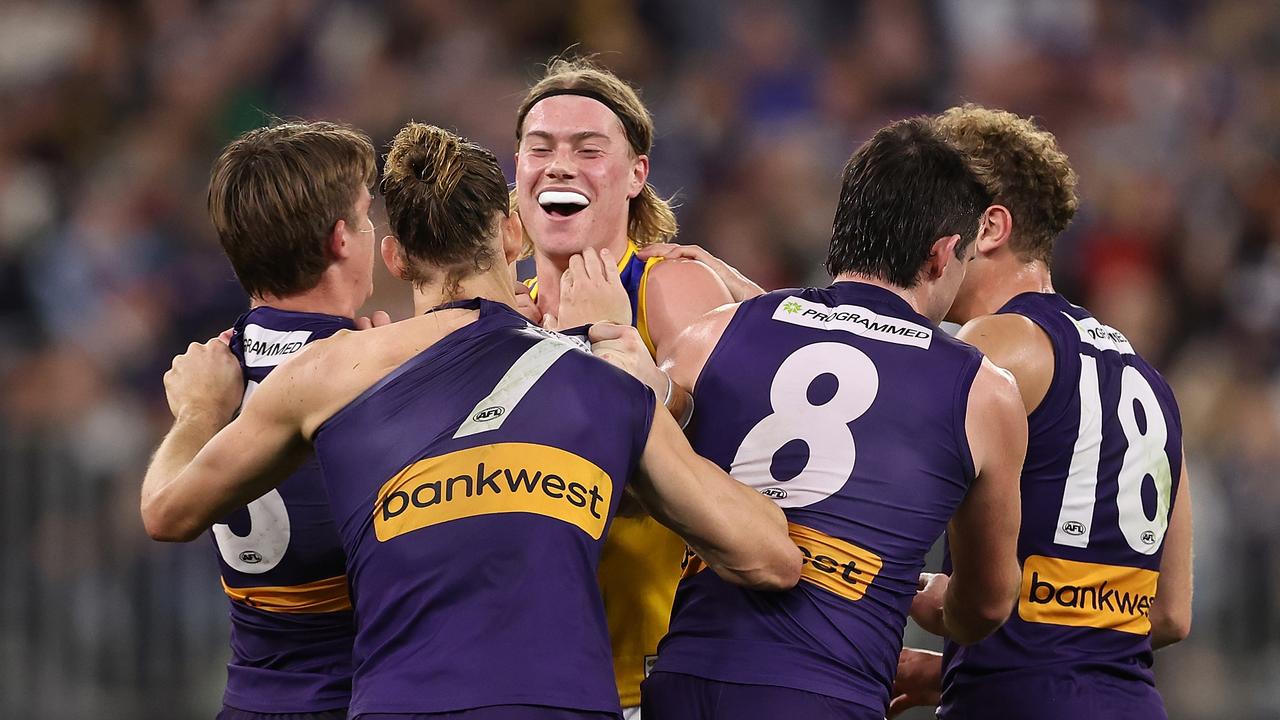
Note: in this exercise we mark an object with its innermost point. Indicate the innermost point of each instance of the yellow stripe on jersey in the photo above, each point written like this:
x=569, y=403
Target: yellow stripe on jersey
x=1081, y=594
x=642, y=306
x=321, y=596
x=532, y=283
x=830, y=563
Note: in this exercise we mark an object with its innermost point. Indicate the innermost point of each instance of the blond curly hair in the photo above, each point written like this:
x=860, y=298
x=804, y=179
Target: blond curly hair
x=1022, y=167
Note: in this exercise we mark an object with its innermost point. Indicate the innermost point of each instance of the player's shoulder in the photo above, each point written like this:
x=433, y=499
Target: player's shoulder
x=689, y=279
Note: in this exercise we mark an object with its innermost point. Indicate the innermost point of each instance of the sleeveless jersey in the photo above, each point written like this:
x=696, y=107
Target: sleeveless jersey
x=1104, y=456
x=281, y=558
x=473, y=487
x=640, y=565
x=847, y=408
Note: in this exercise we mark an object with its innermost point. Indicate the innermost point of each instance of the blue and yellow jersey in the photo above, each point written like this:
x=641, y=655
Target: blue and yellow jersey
x=281, y=557
x=640, y=567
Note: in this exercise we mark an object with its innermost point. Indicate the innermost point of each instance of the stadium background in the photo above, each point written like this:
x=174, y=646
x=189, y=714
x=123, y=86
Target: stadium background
x=112, y=113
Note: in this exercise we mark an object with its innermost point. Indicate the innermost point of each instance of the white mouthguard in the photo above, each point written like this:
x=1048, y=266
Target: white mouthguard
x=559, y=197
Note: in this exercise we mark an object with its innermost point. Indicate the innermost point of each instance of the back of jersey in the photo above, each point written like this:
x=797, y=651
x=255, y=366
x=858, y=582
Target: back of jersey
x=281, y=556
x=473, y=487
x=1104, y=455
x=848, y=408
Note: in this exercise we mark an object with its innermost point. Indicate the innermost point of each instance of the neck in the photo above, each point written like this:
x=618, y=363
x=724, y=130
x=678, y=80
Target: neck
x=915, y=297
x=1007, y=282
x=324, y=298
x=493, y=284
x=552, y=267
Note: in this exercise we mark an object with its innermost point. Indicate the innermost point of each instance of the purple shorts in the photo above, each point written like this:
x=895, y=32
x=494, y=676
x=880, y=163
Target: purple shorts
x=1064, y=695
x=674, y=696
x=230, y=713
x=497, y=712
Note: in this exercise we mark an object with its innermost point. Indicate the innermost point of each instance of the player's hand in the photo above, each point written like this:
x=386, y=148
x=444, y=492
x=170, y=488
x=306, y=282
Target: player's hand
x=621, y=346
x=205, y=381
x=525, y=304
x=926, y=607
x=918, y=681
x=591, y=292
x=377, y=319
x=740, y=286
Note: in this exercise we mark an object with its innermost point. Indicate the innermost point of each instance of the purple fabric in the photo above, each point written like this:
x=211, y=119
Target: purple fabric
x=673, y=696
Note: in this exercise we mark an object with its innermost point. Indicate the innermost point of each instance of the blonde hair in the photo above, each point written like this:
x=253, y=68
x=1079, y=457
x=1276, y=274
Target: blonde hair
x=650, y=218
x=1022, y=167
x=443, y=194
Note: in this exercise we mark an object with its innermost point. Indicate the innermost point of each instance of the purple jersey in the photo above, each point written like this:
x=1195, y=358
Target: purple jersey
x=848, y=408
x=281, y=556
x=473, y=487
x=1104, y=455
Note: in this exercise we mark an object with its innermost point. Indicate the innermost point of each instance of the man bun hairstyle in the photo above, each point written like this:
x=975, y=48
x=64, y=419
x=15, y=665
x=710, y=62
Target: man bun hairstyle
x=443, y=196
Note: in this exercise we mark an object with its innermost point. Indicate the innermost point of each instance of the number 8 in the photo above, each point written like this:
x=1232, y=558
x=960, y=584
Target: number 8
x=824, y=428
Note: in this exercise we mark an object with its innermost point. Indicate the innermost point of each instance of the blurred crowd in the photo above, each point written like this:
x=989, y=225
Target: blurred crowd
x=112, y=112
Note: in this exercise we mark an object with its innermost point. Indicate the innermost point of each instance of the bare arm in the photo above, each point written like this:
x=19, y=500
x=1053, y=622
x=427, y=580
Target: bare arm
x=678, y=293
x=983, y=533
x=1171, y=609
x=740, y=286
x=1017, y=344
x=739, y=533
x=203, y=470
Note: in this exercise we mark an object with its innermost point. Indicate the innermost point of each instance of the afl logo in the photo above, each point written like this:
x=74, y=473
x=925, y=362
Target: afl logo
x=1149, y=538
x=775, y=493
x=250, y=556
x=489, y=413
x=1073, y=527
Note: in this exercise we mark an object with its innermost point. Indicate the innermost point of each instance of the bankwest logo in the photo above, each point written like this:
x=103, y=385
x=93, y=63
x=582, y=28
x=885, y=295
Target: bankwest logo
x=264, y=347
x=853, y=319
x=492, y=479
x=1103, y=337
x=830, y=563
x=1065, y=592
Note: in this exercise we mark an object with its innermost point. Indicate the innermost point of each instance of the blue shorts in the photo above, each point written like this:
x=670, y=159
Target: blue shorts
x=497, y=712
x=230, y=713
x=1062, y=695
x=674, y=696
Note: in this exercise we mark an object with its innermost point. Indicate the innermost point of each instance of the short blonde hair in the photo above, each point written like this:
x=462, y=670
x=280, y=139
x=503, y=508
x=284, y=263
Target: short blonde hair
x=650, y=218
x=1022, y=167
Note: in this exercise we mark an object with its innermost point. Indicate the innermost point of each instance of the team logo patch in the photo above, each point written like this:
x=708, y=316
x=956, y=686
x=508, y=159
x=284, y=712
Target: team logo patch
x=1080, y=594
x=489, y=413
x=853, y=319
x=493, y=479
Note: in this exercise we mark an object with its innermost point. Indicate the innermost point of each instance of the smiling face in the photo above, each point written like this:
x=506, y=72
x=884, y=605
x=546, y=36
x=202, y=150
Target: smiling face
x=575, y=176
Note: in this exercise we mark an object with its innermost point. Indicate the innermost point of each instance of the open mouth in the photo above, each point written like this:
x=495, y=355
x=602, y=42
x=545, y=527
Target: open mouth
x=561, y=203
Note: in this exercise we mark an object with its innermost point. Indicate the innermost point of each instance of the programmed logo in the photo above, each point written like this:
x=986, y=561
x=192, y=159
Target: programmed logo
x=853, y=319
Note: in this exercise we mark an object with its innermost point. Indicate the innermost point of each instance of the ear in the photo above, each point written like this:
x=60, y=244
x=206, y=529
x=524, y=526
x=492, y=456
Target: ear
x=339, y=248
x=995, y=228
x=393, y=257
x=942, y=253
x=512, y=232
x=639, y=176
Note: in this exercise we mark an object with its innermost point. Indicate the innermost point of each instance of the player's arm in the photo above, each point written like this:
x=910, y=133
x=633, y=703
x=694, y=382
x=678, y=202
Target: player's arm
x=1171, y=610
x=205, y=467
x=738, y=532
x=983, y=533
x=678, y=293
x=918, y=681
x=1015, y=343
x=740, y=286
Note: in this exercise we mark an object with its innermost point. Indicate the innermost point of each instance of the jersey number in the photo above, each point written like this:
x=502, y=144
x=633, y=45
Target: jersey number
x=823, y=428
x=263, y=548
x=1144, y=457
